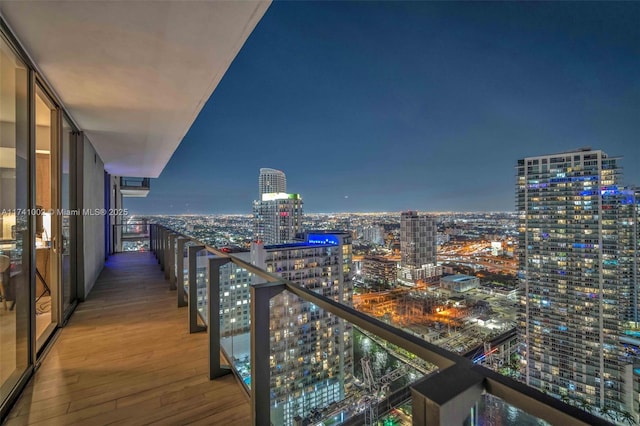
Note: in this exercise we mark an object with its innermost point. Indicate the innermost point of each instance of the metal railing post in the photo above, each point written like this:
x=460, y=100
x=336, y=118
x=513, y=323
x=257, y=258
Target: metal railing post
x=160, y=251
x=167, y=256
x=194, y=327
x=182, y=302
x=151, y=241
x=446, y=397
x=260, y=351
x=172, y=261
x=155, y=240
x=213, y=316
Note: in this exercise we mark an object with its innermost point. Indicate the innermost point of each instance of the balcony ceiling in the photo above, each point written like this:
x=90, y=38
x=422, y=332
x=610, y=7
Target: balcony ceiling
x=134, y=74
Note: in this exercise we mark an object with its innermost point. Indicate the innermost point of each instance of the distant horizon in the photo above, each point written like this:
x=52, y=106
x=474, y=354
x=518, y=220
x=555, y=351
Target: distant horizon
x=326, y=213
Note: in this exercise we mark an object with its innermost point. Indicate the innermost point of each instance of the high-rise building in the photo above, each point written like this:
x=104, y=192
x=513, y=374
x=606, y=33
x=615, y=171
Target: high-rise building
x=235, y=286
x=417, y=245
x=278, y=218
x=578, y=261
x=278, y=215
x=417, y=239
x=374, y=234
x=311, y=350
x=271, y=181
x=379, y=271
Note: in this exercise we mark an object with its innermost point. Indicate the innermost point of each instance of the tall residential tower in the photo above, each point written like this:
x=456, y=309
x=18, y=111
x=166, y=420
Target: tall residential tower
x=271, y=181
x=417, y=248
x=278, y=215
x=311, y=349
x=579, y=275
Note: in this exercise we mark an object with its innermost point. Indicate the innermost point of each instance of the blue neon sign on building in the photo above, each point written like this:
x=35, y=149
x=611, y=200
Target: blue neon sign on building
x=323, y=239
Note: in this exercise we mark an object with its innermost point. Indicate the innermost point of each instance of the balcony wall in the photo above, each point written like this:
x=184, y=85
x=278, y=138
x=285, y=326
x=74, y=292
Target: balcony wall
x=93, y=226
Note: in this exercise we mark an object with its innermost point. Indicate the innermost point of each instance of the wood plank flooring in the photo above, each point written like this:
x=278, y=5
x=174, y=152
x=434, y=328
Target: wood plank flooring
x=126, y=357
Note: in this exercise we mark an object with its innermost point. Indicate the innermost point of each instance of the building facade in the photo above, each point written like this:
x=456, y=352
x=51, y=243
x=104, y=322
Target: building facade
x=417, y=245
x=311, y=350
x=277, y=215
x=578, y=264
x=374, y=234
x=278, y=218
x=379, y=271
x=271, y=181
x=235, y=296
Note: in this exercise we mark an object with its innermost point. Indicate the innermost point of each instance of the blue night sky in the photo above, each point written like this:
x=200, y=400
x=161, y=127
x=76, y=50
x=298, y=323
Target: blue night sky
x=419, y=105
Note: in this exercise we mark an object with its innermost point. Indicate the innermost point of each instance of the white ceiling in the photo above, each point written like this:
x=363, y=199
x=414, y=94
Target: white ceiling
x=133, y=74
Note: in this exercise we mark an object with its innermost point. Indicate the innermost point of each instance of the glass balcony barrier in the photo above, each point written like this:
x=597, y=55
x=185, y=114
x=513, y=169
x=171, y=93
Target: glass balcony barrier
x=134, y=186
x=325, y=370
x=235, y=318
x=307, y=359
x=130, y=237
x=135, y=182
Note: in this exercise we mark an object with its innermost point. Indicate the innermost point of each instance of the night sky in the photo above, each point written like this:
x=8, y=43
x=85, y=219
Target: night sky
x=419, y=105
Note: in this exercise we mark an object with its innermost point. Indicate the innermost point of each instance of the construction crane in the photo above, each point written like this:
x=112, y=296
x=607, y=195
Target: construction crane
x=377, y=389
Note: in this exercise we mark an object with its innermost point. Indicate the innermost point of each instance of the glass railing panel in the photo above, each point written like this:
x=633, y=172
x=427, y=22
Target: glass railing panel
x=132, y=237
x=176, y=255
x=235, y=317
x=325, y=370
x=491, y=410
x=202, y=283
x=185, y=265
x=133, y=182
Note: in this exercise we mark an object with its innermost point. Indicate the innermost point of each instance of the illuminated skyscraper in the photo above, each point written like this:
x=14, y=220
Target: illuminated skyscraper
x=278, y=215
x=278, y=218
x=579, y=276
x=311, y=349
x=417, y=247
x=271, y=181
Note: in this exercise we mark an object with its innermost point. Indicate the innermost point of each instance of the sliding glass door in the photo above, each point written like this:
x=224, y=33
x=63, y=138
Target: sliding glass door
x=47, y=232
x=37, y=218
x=15, y=268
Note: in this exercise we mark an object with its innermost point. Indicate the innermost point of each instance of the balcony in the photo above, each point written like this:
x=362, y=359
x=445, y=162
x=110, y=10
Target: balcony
x=434, y=380
x=135, y=187
x=126, y=356
x=130, y=354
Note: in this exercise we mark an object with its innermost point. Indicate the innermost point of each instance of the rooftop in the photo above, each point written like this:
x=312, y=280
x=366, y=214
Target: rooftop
x=458, y=278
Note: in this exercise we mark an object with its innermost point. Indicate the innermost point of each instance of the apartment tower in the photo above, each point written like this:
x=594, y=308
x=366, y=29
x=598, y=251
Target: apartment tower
x=311, y=349
x=417, y=247
x=271, y=181
x=578, y=264
x=278, y=215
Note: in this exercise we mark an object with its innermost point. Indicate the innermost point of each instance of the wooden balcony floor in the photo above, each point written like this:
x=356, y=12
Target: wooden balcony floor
x=126, y=357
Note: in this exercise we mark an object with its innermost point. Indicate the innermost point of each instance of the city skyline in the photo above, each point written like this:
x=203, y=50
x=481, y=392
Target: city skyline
x=428, y=107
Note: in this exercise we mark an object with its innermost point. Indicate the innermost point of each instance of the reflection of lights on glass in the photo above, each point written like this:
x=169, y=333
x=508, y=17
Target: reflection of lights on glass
x=366, y=344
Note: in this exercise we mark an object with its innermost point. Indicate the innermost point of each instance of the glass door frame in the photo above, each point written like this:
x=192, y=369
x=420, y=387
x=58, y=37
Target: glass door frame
x=75, y=137
x=52, y=277
x=28, y=315
x=59, y=316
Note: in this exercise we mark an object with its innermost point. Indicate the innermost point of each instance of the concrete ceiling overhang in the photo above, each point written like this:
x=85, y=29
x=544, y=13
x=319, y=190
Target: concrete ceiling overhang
x=133, y=74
